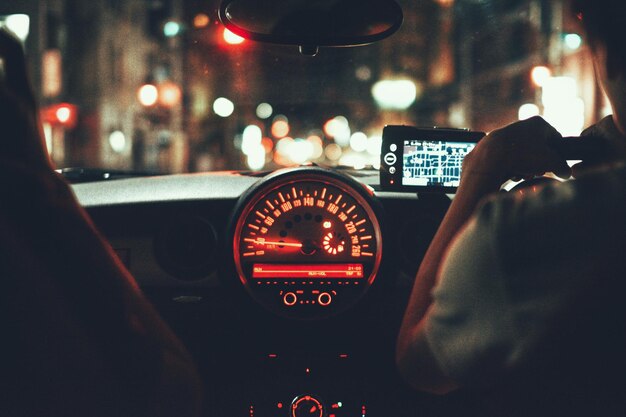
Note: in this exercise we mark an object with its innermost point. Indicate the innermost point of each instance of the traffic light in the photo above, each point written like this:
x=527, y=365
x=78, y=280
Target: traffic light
x=61, y=114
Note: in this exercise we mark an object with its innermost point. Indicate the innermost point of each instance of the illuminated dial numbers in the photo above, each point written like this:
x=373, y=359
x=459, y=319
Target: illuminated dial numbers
x=307, y=220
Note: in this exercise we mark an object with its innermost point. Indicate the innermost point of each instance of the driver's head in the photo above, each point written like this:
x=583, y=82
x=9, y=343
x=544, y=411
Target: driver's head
x=604, y=22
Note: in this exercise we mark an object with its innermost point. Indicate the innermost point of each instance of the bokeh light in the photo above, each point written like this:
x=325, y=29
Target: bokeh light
x=338, y=128
x=280, y=127
x=223, y=107
x=232, y=39
x=117, y=140
x=264, y=110
x=63, y=114
x=251, y=140
x=19, y=24
x=573, y=41
x=333, y=152
x=201, y=20
x=394, y=94
x=528, y=110
x=358, y=141
x=148, y=95
x=171, y=29
x=169, y=94
x=540, y=75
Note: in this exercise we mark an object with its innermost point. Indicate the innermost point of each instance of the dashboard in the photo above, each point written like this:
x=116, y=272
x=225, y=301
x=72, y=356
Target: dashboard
x=287, y=288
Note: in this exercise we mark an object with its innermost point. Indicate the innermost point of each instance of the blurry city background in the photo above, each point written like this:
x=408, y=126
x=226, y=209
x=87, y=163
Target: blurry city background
x=162, y=86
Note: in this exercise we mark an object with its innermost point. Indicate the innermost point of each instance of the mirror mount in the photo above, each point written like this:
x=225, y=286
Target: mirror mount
x=309, y=50
x=311, y=24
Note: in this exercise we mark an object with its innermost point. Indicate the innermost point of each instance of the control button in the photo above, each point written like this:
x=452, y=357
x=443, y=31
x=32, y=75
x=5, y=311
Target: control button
x=307, y=406
x=390, y=158
x=324, y=299
x=392, y=170
x=393, y=147
x=290, y=299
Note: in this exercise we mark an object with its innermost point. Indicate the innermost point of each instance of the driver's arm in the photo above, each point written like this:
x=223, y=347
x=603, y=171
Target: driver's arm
x=521, y=150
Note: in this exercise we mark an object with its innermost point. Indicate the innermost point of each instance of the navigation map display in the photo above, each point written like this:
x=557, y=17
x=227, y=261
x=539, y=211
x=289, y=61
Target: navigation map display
x=415, y=159
x=433, y=163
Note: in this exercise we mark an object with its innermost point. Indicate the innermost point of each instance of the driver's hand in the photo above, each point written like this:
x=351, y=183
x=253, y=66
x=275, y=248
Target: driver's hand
x=608, y=144
x=520, y=150
x=21, y=138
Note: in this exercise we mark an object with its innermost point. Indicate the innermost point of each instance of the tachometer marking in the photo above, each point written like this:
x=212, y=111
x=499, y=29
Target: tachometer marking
x=367, y=254
x=286, y=206
x=323, y=193
x=249, y=253
x=294, y=192
x=253, y=226
x=350, y=209
x=282, y=198
x=332, y=208
x=360, y=222
x=270, y=204
x=366, y=237
x=309, y=201
x=321, y=203
x=261, y=215
x=342, y=216
x=338, y=199
x=297, y=203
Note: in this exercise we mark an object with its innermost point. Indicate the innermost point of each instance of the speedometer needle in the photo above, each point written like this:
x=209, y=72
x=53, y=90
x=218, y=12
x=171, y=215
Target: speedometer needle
x=269, y=242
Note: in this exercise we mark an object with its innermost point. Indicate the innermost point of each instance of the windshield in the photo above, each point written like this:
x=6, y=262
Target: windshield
x=162, y=86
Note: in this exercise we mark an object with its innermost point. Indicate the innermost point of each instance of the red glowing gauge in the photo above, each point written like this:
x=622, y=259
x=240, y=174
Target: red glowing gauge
x=307, y=242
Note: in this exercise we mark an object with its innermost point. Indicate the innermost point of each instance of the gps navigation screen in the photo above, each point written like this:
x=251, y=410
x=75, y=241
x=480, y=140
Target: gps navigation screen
x=433, y=163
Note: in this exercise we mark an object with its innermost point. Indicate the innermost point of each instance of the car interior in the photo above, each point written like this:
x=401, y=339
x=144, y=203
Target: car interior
x=271, y=202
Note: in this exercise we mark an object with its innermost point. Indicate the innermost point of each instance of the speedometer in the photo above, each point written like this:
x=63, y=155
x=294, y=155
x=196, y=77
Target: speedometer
x=307, y=242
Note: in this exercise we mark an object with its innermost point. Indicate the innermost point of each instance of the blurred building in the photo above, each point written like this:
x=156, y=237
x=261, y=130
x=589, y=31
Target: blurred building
x=532, y=57
x=160, y=85
x=90, y=59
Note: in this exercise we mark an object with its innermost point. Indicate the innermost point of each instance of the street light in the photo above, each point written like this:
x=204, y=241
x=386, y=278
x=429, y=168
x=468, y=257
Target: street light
x=148, y=95
x=395, y=94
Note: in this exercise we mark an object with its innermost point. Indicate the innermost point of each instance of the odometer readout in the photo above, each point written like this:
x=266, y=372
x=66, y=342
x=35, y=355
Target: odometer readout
x=307, y=236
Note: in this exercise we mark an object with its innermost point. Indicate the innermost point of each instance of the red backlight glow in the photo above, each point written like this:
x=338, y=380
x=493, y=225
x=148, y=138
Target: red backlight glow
x=264, y=271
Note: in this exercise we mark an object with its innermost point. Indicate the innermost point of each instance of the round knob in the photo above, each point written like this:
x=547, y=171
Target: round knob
x=306, y=406
x=290, y=299
x=324, y=299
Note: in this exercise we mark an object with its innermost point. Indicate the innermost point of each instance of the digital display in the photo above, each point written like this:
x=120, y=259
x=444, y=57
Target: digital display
x=433, y=163
x=307, y=271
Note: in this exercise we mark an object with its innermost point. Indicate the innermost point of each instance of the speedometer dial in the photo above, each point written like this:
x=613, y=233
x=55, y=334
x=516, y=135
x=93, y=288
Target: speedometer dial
x=307, y=242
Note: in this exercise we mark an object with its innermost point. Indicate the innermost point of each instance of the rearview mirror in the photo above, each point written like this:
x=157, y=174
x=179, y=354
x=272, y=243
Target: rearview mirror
x=310, y=24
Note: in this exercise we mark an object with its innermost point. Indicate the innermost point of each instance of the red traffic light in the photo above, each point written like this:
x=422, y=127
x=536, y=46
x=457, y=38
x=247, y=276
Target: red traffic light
x=62, y=114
